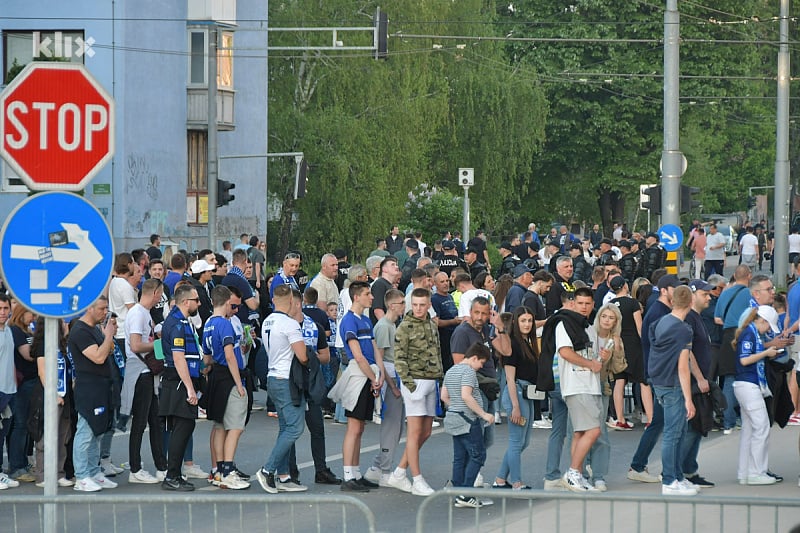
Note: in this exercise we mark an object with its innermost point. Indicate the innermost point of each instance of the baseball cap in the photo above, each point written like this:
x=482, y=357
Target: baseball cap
x=200, y=266
x=625, y=244
x=575, y=246
x=448, y=245
x=769, y=314
x=520, y=270
x=616, y=283
x=700, y=285
x=413, y=244
x=670, y=280
x=471, y=250
x=651, y=234
x=506, y=245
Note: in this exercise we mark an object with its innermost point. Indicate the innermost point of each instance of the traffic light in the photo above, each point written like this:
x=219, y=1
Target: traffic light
x=687, y=202
x=224, y=196
x=300, y=180
x=654, y=203
x=382, y=25
x=751, y=202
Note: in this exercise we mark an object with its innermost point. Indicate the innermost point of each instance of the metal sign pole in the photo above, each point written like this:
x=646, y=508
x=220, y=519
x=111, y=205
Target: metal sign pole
x=50, y=420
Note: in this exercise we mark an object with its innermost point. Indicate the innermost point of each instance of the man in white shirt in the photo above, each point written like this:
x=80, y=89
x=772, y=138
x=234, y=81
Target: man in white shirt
x=8, y=383
x=794, y=246
x=138, y=391
x=283, y=339
x=748, y=248
x=463, y=283
x=715, y=251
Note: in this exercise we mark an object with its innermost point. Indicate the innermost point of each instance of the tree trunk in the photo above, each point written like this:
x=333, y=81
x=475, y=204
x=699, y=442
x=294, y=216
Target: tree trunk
x=617, y=207
x=604, y=205
x=285, y=224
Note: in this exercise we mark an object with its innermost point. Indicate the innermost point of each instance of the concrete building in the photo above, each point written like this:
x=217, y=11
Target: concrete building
x=152, y=57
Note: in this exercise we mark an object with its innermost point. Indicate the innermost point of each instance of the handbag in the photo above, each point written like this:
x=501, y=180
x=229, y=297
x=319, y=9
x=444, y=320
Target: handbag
x=530, y=392
x=156, y=366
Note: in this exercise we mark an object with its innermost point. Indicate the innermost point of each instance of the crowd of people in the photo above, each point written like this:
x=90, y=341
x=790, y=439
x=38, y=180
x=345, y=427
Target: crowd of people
x=414, y=337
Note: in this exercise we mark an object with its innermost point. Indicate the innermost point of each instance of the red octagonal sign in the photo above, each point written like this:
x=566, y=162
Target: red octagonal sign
x=57, y=126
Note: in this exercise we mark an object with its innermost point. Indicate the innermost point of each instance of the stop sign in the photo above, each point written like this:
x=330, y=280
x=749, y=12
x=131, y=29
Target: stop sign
x=56, y=126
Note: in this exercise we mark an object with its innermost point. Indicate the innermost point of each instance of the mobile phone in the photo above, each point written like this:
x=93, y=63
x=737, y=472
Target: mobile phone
x=780, y=350
x=610, y=344
x=109, y=316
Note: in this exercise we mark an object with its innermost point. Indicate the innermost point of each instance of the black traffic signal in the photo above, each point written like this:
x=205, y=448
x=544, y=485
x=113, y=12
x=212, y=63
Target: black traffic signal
x=224, y=196
x=751, y=202
x=301, y=180
x=382, y=24
x=654, y=203
x=687, y=202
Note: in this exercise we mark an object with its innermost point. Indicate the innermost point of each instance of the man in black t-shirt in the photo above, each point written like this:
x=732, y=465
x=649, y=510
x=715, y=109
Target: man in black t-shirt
x=90, y=348
x=478, y=243
x=390, y=277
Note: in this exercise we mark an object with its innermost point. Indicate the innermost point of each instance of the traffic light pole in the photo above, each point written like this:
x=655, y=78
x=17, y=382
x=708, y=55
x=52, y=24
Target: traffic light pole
x=671, y=156
x=780, y=252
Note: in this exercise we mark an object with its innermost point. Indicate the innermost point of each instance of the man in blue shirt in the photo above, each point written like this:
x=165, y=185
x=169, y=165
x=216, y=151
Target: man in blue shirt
x=236, y=278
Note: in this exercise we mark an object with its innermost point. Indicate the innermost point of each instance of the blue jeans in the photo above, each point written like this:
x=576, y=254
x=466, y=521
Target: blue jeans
x=518, y=436
x=291, y=420
x=5, y=425
x=671, y=400
x=18, y=435
x=729, y=417
x=488, y=431
x=469, y=454
x=649, y=438
x=690, y=447
x=555, y=444
x=85, y=450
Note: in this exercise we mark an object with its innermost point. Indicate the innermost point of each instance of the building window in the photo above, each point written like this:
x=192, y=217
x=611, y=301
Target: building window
x=22, y=47
x=197, y=177
x=198, y=59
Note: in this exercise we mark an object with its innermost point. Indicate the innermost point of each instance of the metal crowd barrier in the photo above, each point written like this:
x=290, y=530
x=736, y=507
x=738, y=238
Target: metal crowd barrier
x=188, y=513
x=556, y=512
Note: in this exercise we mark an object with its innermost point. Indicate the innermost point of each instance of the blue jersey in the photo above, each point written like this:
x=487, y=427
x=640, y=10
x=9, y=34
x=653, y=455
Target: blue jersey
x=357, y=327
x=217, y=334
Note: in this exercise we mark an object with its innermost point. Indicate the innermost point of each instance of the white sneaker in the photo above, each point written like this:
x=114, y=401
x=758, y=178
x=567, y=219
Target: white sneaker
x=556, y=485
x=194, y=472
x=161, y=475
x=478, y=481
x=87, y=485
x=103, y=482
x=688, y=484
x=233, y=482
x=373, y=474
x=8, y=482
x=435, y=424
x=600, y=485
x=677, y=489
x=420, y=487
x=109, y=469
x=142, y=476
x=644, y=476
x=575, y=481
x=66, y=482
x=384, y=480
x=542, y=424
x=399, y=482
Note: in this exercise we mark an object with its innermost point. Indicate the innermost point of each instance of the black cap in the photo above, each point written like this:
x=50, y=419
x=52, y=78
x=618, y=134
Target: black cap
x=616, y=283
x=607, y=241
x=575, y=246
x=470, y=250
x=340, y=253
x=413, y=244
x=625, y=244
x=651, y=234
x=448, y=245
x=506, y=245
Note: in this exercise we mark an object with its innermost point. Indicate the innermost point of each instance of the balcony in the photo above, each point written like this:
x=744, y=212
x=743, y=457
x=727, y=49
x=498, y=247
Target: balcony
x=223, y=11
x=197, y=109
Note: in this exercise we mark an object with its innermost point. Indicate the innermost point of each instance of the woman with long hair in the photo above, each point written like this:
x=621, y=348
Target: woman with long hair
x=22, y=325
x=501, y=289
x=608, y=325
x=520, y=370
x=750, y=388
x=64, y=399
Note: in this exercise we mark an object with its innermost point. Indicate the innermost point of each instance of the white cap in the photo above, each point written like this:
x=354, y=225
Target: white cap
x=769, y=314
x=201, y=265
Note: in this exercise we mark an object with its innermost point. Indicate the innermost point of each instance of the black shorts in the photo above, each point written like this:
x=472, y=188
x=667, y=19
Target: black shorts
x=364, y=406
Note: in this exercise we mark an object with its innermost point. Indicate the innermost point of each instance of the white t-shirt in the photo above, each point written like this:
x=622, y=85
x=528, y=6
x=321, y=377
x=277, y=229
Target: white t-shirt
x=465, y=303
x=278, y=334
x=749, y=244
x=120, y=293
x=794, y=243
x=138, y=321
x=576, y=379
x=715, y=239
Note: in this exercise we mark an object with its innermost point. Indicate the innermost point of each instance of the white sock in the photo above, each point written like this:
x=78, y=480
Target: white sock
x=348, y=473
x=399, y=472
x=356, y=471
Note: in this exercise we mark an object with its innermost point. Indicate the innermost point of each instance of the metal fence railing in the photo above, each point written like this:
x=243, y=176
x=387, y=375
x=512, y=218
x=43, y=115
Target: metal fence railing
x=188, y=513
x=556, y=512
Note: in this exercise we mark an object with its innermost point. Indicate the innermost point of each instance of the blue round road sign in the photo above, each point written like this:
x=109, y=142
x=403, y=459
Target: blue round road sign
x=56, y=254
x=670, y=236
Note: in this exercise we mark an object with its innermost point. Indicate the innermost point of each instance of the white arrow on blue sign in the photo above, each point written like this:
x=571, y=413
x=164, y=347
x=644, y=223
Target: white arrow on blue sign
x=670, y=236
x=56, y=254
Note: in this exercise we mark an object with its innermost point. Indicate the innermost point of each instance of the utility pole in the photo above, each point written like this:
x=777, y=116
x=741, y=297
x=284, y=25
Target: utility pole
x=211, y=165
x=780, y=252
x=672, y=166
